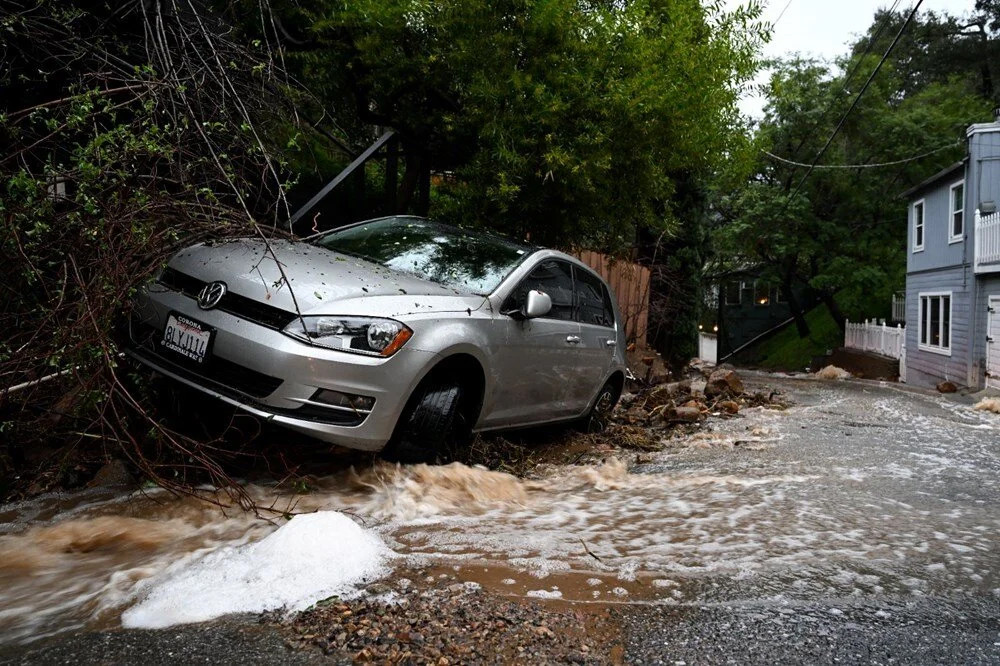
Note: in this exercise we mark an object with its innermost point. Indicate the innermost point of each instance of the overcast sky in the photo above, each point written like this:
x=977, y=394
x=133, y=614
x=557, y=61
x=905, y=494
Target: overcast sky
x=822, y=28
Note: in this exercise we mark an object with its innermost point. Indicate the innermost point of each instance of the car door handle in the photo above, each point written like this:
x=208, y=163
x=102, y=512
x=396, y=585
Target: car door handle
x=610, y=343
x=573, y=339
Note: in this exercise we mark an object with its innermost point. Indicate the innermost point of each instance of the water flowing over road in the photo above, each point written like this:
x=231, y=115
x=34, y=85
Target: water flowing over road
x=857, y=491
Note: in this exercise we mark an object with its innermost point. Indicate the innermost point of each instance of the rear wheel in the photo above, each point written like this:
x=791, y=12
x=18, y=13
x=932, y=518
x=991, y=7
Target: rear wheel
x=602, y=409
x=432, y=425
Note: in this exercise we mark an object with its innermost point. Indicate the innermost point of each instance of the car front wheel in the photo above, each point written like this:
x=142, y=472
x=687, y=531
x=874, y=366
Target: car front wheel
x=431, y=425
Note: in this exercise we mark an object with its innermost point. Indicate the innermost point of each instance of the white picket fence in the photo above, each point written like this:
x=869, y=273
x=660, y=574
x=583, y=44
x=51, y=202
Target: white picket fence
x=899, y=306
x=876, y=337
x=987, y=242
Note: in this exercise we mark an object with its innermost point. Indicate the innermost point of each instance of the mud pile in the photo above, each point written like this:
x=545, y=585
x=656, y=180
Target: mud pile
x=645, y=417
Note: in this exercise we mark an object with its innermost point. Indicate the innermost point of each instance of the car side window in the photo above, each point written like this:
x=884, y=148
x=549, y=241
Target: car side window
x=554, y=278
x=594, y=300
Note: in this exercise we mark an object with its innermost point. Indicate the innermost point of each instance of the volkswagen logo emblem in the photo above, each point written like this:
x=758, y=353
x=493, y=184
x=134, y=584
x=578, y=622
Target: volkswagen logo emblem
x=211, y=294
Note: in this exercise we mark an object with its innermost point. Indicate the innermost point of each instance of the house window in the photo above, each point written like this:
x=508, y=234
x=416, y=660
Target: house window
x=732, y=293
x=918, y=226
x=761, y=293
x=746, y=291
x=957, y=208
x=780, y=295
x=935, y=322
x=56, y=186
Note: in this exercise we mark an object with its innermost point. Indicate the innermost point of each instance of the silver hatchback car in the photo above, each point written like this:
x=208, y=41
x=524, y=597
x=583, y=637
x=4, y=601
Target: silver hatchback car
x=398, y=331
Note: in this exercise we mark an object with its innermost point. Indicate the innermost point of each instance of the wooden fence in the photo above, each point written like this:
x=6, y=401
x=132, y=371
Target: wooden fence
x=876, y=337
x=630, y=286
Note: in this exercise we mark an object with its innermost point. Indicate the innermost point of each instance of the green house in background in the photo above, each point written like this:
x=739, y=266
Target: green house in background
x=748, y=308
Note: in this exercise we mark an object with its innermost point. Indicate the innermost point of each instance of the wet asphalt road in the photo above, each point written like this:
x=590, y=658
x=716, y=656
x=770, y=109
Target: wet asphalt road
x=860, y=526
x=929, y=631
x=896, y=556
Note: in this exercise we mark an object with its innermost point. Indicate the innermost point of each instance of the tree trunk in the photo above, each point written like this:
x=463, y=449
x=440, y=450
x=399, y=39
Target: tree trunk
x=831, y=305
x=391, y=175
x=409, y=184
x=801, y=325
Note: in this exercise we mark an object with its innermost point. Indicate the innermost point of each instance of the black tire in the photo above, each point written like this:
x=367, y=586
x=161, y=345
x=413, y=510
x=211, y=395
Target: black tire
x=600, y=412
x=431, y=426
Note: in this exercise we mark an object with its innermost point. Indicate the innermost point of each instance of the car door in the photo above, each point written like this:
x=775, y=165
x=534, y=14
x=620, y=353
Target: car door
x=598, y=336
x=536, y=369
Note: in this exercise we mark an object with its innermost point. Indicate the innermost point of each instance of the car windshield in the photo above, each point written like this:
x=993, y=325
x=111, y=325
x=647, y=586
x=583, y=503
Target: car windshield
x=466, y=260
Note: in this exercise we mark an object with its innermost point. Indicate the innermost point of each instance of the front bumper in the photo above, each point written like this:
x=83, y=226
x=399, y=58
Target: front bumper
x=273, y=376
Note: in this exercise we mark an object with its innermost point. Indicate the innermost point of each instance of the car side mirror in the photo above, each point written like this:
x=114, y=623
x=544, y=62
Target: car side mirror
x=538, y=304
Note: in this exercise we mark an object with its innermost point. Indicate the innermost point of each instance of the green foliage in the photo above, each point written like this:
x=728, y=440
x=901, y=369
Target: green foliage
x=107, y=165
x=843, y=231
x=567, y=121
x=787, y=351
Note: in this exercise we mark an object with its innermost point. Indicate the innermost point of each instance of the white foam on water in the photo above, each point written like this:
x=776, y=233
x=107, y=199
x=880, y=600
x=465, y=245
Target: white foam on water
x=544, y=594
x=312, y=557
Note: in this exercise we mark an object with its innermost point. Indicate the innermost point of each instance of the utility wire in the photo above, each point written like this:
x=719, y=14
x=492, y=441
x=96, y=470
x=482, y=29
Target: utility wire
x=871, y=165
x=871, y=42
x=850, y=73
x=783, y=10
x=857, y=99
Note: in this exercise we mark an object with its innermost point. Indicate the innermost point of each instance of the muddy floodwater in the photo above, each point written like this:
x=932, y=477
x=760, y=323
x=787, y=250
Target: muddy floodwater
x=856, y=491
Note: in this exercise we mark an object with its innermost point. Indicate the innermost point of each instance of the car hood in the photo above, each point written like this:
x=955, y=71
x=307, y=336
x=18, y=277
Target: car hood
x=323, y=281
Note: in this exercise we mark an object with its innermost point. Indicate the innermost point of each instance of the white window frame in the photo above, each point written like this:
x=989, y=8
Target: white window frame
x=952, y=238
x=739, y=293
x=922, y=225
x=921, y=322
x=757, y=286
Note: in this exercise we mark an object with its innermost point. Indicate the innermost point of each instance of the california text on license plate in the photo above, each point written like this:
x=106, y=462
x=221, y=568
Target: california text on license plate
x=187, y=337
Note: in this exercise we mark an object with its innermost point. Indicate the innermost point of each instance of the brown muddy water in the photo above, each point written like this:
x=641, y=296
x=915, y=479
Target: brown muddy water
x=855, y=491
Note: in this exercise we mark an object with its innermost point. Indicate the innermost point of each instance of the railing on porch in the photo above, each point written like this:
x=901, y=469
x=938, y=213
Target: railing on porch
x=899, y=306
x=876, y=337
x=987, y=242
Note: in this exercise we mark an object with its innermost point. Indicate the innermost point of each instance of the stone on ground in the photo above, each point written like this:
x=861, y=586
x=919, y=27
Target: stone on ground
x=687, y=414
x=723, y=381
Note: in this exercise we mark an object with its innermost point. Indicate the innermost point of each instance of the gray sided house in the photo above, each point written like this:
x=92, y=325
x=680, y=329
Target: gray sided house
x=953, y=269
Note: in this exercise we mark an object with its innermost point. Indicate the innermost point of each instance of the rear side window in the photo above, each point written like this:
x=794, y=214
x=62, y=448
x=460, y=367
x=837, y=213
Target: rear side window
x=594, y=300
x=554, y=278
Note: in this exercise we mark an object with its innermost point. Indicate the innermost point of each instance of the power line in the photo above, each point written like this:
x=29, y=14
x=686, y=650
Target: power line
x=857, y=99
x=781, y=14
x=871, y=165
x=871, y=42
x=853, y=70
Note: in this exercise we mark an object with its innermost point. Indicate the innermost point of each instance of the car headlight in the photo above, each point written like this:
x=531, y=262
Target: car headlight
x=362, y=335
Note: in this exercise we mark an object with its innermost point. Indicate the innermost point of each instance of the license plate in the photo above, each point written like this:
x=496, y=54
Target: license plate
x=187, y=337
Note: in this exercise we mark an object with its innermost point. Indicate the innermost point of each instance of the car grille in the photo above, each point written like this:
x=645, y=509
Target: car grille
x=217, y=373
x=230, y=379
x=234, y=304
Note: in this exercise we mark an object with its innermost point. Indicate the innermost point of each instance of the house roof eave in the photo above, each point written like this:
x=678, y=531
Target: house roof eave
x=939, y=176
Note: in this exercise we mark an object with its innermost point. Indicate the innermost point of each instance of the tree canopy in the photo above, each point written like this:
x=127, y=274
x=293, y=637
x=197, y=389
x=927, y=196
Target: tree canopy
x=841, y=230
x=569, y=121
